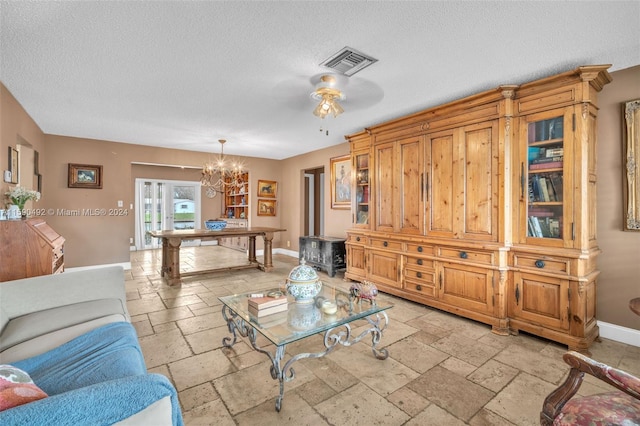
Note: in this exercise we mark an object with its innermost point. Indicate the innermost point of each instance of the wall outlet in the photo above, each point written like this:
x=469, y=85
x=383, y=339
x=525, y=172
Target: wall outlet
x=288, y=243
x=130, y=240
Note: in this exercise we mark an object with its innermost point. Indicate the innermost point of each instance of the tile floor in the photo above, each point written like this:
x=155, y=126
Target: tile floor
x=442, y=369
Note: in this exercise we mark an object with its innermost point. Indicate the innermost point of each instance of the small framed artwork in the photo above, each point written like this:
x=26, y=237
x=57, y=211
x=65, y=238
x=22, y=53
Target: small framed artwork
x=341, y=182
x=85, y=176
x=36, y=163
x=13, y=164
x=266, y=207
x=39, y=177
x=267, y=188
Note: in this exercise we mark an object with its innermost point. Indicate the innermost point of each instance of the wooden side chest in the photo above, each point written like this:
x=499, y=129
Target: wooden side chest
x=324, y=253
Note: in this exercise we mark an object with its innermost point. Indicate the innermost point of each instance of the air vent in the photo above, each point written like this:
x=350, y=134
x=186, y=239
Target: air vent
x=348, y=61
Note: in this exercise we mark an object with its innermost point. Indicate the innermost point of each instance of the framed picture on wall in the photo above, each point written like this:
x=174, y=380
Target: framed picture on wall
x=85, y=176
x=14, y=163
x=267, y=188
x=266, y=207
x=341, y=182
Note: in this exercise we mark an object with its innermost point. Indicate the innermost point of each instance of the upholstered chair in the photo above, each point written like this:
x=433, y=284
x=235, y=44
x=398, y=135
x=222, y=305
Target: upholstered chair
x=619, y=407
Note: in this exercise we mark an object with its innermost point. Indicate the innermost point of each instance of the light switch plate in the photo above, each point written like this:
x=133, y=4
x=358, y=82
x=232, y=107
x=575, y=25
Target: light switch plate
x=7, y=175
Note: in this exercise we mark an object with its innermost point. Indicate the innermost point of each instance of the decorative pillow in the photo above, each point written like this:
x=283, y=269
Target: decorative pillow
x=17, y=388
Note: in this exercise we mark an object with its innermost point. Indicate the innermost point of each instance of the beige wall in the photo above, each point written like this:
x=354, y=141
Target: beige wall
x=336, y=222
x=95, y=240
x=103, y=240
x=17, y=127
x=619, y=262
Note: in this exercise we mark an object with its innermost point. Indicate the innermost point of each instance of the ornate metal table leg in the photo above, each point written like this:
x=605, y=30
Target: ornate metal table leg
x=333, y=337
x=234, y=322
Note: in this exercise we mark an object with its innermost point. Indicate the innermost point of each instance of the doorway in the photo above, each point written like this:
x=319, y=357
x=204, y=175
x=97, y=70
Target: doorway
x=165, y=205
x=313, y=196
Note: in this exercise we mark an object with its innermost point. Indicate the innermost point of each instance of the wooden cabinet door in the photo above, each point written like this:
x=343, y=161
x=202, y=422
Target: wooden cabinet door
x=356, y=265
x=540, y=300
x=385, y=187
x=468, y=287
x=462, y=178
x=547, y=169
x=440, y=153
x=383, y=268
x=477, y=171
x=411, y=185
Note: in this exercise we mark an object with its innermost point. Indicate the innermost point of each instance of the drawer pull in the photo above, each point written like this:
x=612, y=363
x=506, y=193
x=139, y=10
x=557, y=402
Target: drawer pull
x=539, y=264
x=385, y=244
x=420, y=249
x=357, y=238
x=463, y=255
x=419, y=262
x=419, y=287
x=419, y=274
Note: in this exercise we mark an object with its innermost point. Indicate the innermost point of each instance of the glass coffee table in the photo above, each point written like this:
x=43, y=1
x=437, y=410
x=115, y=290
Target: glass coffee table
x=303, y=320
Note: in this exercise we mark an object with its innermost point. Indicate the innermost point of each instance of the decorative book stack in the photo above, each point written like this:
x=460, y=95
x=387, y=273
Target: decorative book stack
x=262, y=306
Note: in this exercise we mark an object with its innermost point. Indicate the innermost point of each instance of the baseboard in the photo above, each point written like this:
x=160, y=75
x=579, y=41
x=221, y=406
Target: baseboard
x=291, y=253
x=125, y=266
x=620, y=334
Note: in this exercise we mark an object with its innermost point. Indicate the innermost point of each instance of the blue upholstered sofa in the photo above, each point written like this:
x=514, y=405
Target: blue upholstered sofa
x=72, y=334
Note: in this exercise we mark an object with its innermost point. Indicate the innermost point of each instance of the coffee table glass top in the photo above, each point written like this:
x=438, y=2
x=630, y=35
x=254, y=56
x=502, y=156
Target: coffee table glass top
x=302, y=320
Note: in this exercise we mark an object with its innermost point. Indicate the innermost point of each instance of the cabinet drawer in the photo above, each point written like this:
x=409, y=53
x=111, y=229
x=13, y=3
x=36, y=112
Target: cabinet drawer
x=418, y=263
x=419, y=249
x=542, y=263
x=467, y=255
x=420, y=288
x=420, y=276
x=357, y=239
x=386, y=244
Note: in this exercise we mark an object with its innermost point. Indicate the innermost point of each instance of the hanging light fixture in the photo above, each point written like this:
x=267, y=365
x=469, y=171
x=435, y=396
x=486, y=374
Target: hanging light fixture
x=221, y=173
x=328, y=95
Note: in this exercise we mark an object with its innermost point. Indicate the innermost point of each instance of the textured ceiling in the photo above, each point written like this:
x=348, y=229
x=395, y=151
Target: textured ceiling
x=185, y=74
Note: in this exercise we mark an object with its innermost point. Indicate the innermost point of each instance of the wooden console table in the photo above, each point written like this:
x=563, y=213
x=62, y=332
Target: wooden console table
x=171, y=241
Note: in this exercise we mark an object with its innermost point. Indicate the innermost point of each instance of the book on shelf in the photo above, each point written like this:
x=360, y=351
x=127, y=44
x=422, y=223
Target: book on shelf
x=551, y=190
x=535, y=225
x=556, y=182
x=543, y=159
x=546, y=165
x=543, y=189
x=544, y=227
x=540, y=212
x=261, y=302
x=262, y=312
x=554, y=152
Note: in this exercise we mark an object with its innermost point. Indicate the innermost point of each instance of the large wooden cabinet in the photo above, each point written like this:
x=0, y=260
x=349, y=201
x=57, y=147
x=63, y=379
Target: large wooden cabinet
x=29, y=248
x=485, y=207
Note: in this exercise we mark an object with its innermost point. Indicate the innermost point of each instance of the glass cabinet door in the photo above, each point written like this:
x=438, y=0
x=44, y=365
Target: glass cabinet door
x=361, y=210
x=544, y=186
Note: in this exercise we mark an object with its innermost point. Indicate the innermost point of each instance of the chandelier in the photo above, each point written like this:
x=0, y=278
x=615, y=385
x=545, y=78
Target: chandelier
x=222, y=173
x=328, y=95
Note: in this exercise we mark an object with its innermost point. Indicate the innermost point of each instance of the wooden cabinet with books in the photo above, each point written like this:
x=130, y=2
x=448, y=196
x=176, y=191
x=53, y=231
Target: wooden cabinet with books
x=360, y=166
x=485, y=207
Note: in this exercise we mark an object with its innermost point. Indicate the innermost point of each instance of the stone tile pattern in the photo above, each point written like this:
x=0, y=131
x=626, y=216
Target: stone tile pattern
x=442, y=369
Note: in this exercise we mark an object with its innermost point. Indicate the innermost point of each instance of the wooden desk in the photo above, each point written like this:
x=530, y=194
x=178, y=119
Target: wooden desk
x=171, y=241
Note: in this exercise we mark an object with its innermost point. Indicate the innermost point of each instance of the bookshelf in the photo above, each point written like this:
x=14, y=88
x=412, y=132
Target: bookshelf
x=545, y=178
x=236, y=212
